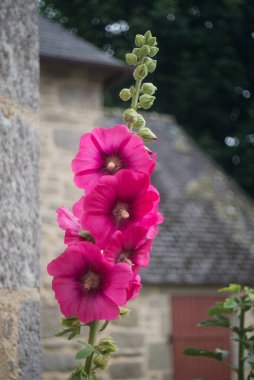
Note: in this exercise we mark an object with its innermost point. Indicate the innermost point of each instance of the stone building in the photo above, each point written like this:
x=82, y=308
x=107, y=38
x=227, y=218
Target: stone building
x=205, y=242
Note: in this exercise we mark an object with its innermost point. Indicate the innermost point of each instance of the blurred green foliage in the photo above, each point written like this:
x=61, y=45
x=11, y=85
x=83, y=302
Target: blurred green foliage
x=205, y=65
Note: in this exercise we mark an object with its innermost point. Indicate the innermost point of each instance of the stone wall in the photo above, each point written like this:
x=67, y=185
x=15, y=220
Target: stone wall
x=19, y=218
x=71, y=98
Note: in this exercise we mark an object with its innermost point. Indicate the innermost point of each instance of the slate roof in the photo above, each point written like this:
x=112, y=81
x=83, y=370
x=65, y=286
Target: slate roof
x=208, y=234
x=58, y=43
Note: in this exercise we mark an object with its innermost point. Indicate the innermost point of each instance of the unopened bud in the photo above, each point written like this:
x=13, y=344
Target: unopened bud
x=70, y=322
x=145, y=50
x=124, y=312
x=153, y=51
x=140, y=72
x=131, y=59
x=151, y=65
x=148, y=88
x=106, y=346
x=136, y=52
x=147, y=35
x=125, y=94
x=147, y=135
x=151, y=41
x=140, y=123
x=130, y=116
x=139, y=40
x=146, y=101
x=101, y=361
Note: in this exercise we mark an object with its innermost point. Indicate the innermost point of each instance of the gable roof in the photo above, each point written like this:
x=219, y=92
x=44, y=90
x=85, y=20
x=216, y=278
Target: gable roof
x=207, y=237
x=58, y=43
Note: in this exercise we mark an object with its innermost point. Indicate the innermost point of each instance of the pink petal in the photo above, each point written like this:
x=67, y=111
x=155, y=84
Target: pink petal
x=67, y=220
x=68, y=294
x=120, y=277
x=97, y=307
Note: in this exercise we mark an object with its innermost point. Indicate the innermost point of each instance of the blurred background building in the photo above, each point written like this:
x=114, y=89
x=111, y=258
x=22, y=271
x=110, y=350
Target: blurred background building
x=206, y=240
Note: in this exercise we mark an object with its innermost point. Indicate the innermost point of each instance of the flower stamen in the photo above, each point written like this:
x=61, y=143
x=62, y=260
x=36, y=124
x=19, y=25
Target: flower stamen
x=124, y=258
x=120, y=212
x=113, y=164
x=91, y=280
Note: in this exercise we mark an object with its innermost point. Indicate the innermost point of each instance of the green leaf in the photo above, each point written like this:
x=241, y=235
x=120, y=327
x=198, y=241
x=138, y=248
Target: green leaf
x=205, y=353
x=232, y=288
x=222, y=322
x=222, y=352
x=61, y=333
x=94, y=376
x=86, y=352
x=219, y=309
x=231, y=303
x=105, y=324
x=73, y=334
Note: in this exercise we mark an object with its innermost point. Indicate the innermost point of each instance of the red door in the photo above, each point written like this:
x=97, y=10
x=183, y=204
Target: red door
x=187, y=311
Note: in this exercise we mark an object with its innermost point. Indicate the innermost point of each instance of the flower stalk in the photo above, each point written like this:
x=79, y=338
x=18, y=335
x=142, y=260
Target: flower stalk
x=94, y=326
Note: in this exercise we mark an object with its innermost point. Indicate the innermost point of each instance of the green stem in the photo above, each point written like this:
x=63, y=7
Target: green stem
x=134, y=102
x=241, y=346
x=94, y=326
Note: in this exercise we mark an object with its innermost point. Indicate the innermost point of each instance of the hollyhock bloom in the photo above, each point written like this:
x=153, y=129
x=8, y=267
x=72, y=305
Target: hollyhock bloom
x=108, y=151
x=134, y=288
x=116, y=203
x=70, y=223
x=153, y=218
x=86, y=286
x=130, y=247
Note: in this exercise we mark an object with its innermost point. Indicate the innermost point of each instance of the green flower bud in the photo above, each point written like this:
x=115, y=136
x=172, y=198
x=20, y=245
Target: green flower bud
x=125, y=94
x=106, y=346
x=151, y=65
x=140, y=123
x=140, y=72
x=124, y=312
x=147, y=35
x=147, y=135
x=132, y=90
x=136, y=52
x=130, y=116
x=148, y=88
x=101, y=361
x=153, y=51
x=87, y=236
x=139, y=40
x=145, y=50
x=131, y=59
x=70, y=322
x=152, y=41
x=146, y=101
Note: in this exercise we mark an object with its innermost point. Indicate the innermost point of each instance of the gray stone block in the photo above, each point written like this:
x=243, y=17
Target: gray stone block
x=126, y=370
x=19, y=51
x=159, y=357
x=67, y=139
x=50, y=321
x=58, y=362
x=29, y=356
x=132, y=340
x=72, y=95
x=19, y=218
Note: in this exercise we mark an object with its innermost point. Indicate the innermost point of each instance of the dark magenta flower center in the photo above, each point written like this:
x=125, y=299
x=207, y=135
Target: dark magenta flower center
x=113, y=164
x=91, y=280
x=124, y=257
x=120, y=212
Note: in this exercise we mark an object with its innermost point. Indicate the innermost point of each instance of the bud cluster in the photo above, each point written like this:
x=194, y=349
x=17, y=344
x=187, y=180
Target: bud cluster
x=141, y=96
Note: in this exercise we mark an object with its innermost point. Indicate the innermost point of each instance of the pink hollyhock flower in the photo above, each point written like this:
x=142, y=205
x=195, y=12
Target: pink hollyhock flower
x=134, y=288
x=153, y=218
x=70, y=223
x=116, y=203
x=86, y=286
x=106, y=152
x=130, y=247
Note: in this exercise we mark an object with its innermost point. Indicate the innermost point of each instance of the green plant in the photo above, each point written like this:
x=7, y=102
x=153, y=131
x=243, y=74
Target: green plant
x=237, y=305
